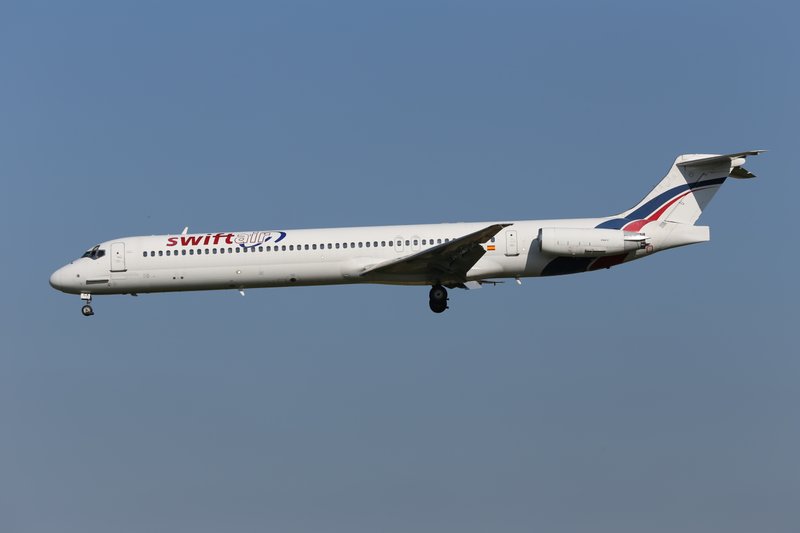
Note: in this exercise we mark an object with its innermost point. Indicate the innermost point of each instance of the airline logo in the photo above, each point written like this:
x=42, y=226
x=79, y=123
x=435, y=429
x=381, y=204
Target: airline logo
x=655, y=208
x=245, y=240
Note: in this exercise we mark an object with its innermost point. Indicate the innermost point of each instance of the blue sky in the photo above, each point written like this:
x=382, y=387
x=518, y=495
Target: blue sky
x=659, y=395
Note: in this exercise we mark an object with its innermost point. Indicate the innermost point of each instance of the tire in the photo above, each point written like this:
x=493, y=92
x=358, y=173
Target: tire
x=438, y=306
x=438, y=294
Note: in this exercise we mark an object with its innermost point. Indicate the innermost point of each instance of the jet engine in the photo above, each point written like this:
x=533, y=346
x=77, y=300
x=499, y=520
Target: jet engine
x=589, y=242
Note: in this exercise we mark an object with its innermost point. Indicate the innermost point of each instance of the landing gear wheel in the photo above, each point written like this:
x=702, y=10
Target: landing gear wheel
x=438, y=293
x=438, y=307
x=87, y=300
x=438, y=299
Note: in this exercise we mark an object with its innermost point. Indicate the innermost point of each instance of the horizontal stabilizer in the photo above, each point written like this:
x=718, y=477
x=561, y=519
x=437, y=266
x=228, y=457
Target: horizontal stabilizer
x=742, y=173
x=719, y=159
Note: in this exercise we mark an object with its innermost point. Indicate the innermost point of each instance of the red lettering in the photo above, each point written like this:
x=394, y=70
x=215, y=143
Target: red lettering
x=172, y=241
x=191, y=240
x=216, y=238
x=207, y=239
x=229, y=238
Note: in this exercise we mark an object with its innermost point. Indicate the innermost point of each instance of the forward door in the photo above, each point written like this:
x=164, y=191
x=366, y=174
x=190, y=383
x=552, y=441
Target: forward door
x=118, y=257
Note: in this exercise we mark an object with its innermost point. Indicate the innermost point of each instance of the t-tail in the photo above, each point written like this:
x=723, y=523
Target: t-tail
x=685, y=191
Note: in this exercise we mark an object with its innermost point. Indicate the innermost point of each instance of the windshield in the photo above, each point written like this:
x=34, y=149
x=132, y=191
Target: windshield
x=94, y=253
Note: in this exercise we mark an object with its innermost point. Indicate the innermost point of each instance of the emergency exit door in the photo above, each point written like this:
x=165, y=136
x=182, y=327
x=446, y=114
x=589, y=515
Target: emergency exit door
x=512, y=247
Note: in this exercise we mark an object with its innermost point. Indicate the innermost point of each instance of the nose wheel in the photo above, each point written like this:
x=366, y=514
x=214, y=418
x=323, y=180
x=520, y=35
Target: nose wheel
x=86, y=310
x=438, y=299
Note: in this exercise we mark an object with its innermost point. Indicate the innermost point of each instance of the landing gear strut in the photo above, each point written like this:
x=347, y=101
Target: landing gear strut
x=438, y=299
x=87, y=308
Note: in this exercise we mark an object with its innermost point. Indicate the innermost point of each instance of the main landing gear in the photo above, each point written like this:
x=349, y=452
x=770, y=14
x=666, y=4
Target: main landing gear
x=87, y=307
x=438, y=299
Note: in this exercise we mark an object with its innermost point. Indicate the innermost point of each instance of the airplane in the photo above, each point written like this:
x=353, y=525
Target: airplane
x=443, y=256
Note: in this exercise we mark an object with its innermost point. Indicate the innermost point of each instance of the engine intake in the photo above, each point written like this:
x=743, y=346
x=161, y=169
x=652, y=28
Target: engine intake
x=589, y=242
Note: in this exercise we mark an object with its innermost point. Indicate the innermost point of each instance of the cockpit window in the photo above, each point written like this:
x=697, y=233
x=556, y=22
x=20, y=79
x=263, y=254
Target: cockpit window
x=94, y=253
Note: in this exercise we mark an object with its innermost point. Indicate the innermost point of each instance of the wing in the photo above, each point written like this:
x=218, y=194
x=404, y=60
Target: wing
x=448, y=261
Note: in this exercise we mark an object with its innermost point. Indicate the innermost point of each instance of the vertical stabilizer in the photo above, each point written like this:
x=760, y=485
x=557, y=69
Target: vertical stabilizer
x=687, y=189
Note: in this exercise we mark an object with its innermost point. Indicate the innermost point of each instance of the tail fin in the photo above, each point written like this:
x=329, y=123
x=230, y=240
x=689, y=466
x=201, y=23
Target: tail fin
x=686, y=190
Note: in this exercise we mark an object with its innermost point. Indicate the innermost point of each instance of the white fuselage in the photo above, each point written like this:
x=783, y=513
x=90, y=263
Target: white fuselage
x=240, y=260
x=441, y=255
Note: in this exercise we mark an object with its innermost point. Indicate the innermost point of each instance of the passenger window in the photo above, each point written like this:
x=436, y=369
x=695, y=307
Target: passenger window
x=144, y=254
x=424, y=242
x=383, y=244
x=313, y=246
x=438, y=241
x=260, y=248
x=344, y=245
x=283, y=247
x=230, y=250
x=183, y=252
x=359, y=244
x=191, y=251
x=214, y=250
x=337, y=245
x=375, y=244
x=391, y=243
x=408, y=243
x=306, y=246
x=492, y=239
x=329, y=246
x=238, y=251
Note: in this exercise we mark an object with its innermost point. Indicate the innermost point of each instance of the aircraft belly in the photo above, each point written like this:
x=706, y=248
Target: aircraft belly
x=235, y=276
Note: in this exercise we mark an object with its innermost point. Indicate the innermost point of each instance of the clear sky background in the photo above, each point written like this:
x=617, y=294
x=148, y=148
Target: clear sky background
x=658, y=396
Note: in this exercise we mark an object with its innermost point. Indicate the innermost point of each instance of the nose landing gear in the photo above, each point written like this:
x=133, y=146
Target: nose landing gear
x=438, y=299
x=87, y=308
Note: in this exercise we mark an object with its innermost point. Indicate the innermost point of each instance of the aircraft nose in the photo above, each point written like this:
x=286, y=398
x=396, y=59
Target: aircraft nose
x=58, y=279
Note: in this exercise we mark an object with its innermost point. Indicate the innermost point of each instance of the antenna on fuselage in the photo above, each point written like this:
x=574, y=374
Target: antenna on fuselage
x=185, y=230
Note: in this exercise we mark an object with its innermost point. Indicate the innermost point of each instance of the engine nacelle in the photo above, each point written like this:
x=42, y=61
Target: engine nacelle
x=589, y=242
